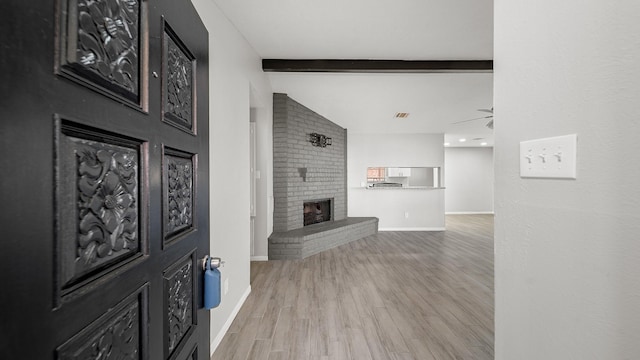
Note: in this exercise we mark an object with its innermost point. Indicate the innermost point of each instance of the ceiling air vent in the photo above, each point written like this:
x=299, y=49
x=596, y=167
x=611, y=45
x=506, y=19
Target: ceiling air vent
x=402, y=115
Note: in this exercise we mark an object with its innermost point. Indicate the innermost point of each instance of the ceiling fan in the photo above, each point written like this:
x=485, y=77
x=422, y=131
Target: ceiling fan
x=489, y=124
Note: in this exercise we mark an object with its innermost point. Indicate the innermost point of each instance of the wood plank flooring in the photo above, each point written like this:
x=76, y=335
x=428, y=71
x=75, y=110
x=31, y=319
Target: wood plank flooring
x=394, y=295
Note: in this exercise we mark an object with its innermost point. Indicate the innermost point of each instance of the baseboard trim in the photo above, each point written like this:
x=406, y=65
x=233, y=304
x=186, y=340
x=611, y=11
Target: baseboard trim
x=414, y=229
x=218, y=339
x=259, y=258
x=469, y=213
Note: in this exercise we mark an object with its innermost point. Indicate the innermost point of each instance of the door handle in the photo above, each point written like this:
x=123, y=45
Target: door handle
x=212, y=279
x=213, y=262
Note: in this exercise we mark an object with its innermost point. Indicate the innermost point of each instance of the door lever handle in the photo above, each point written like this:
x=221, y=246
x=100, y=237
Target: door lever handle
x=212, y=294
x=214, y=262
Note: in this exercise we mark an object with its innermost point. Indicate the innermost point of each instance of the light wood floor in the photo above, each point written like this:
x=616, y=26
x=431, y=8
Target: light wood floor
x=394, y=295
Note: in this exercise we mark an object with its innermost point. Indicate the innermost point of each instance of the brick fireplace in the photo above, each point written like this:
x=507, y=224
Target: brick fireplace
x=317, y=211
x=302, y=171
x=310, y=184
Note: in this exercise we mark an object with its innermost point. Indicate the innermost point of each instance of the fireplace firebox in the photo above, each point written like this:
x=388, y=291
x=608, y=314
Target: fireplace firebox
x=317, y=211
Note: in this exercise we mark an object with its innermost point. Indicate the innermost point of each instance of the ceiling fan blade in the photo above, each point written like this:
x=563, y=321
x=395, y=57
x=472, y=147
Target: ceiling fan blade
x=464, y=121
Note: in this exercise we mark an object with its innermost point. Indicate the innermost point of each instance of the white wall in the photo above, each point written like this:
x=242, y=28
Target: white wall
x=567, y=259
x=234, y=70
x=425, y=207
x=263, y=109
x=468, y=178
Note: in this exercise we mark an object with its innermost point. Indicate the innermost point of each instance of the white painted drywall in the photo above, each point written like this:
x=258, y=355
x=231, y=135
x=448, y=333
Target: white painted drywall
x=262, y=110
x=236, y=78
x=425, y=207
x=468, y=178
x=264, y=184
x=567, y=262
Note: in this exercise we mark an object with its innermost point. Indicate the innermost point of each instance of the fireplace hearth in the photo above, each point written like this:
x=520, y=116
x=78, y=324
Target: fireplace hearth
x=317, y=211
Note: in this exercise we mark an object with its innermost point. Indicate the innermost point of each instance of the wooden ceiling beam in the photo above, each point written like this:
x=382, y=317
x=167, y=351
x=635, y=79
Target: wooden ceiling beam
x=376, y=66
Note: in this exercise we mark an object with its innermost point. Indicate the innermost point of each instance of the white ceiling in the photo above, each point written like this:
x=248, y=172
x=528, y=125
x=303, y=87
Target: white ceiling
x=381, y=29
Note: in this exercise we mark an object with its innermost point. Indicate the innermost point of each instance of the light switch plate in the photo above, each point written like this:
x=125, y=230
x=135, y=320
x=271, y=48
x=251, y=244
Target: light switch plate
x=553, y=157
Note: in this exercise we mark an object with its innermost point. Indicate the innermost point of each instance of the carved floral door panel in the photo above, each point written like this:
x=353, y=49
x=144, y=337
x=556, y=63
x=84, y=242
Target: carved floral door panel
x=104, y=145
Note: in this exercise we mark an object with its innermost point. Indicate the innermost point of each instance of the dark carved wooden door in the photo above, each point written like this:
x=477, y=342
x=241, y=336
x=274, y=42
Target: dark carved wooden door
x=105, y=180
